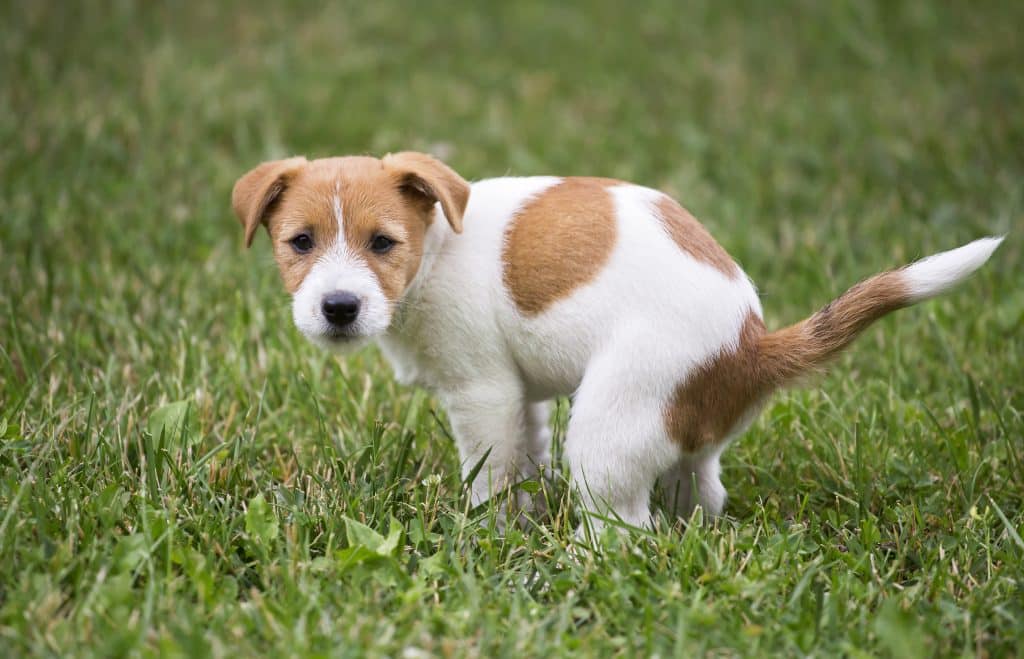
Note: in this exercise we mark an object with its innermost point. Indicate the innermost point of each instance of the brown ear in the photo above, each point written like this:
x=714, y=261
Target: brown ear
x=429, y=180
x=258, y=189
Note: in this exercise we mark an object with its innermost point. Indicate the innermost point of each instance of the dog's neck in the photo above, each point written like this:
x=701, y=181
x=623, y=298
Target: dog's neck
x=433, y=242
x=400, y=343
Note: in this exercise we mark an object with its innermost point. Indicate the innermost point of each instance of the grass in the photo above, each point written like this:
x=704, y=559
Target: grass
x=181, y=474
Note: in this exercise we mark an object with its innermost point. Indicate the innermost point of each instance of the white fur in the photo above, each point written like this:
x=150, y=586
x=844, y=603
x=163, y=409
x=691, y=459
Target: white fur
x=940, y=272
x=340, y=269
x=336, y=206
x=619, y=344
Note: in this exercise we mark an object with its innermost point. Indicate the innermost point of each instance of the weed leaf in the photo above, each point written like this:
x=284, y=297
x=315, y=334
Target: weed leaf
x=260, y=520
x=178, y=426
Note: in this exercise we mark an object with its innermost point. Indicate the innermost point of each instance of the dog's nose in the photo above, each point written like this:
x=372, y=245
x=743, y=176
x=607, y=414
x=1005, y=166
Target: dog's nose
x=340, y=308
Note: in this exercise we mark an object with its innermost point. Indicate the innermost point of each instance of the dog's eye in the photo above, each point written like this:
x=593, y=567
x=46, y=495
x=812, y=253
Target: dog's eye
x=302, y=243
x=381, y=244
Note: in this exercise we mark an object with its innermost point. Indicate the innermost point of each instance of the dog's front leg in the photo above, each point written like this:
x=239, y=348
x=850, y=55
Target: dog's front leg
x=538, y=439
x=489, y=421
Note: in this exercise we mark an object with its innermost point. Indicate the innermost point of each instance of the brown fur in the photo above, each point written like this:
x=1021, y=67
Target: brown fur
x=428, y=180
x=255, y=193
x=706, y=407
x=306, y=208
x=558, y=242
x=394, y=196
x=693, y=238
x=806, y=346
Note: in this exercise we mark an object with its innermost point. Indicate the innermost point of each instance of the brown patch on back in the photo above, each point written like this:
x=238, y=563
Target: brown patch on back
x=693, y=238
x=708, y=405
x=558, y=242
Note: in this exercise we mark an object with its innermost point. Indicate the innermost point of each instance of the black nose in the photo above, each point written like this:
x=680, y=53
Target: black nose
x=340, y=308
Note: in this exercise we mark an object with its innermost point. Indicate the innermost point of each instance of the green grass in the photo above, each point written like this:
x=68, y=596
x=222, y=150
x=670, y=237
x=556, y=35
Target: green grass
x=308, y=505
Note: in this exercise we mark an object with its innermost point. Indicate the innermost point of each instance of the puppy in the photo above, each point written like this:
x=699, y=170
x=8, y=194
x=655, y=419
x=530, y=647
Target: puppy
x=500, y=295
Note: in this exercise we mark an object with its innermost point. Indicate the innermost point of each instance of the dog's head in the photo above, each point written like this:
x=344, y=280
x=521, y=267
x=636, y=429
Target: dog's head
x=348, y=233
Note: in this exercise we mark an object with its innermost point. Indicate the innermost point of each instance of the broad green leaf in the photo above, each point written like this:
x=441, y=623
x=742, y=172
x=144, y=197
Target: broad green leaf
x=130, y=551
x=434, y=565
x=394, y=538
x=260, y=520
x=361, y=535
x=530, y=486
x=354, y=556
x=177, y=423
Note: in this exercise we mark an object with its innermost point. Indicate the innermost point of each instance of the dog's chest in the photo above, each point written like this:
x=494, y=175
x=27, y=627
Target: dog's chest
x=543, y=369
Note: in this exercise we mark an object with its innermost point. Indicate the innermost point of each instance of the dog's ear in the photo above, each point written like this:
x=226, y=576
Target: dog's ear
x=426, y=180
x=258, y=189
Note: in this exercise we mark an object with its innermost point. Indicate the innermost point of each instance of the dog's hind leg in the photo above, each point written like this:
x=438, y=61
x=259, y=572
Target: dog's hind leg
x=617, y=445
x=677, y=487
x=694, y=480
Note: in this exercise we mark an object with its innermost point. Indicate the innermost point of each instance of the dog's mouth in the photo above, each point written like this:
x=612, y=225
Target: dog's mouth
x=340, y=336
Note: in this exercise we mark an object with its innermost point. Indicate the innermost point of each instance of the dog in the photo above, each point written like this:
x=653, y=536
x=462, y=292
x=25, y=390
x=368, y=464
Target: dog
x=500, y=295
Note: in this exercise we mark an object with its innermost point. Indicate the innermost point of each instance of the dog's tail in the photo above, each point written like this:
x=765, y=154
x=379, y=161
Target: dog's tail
x=795, y=351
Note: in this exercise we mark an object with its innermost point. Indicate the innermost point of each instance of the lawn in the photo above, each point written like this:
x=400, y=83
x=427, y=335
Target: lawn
x=182, y=474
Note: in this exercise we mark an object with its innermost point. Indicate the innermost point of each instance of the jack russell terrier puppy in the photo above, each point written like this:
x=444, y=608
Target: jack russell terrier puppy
x=499, y=295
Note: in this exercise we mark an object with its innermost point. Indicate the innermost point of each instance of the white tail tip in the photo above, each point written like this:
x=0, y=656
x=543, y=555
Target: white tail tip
x=940, y=272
